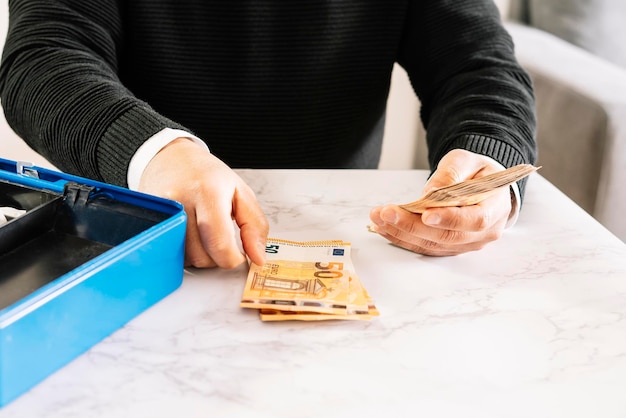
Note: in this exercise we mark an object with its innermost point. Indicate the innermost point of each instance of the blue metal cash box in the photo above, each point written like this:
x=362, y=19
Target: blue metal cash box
x=80, y=260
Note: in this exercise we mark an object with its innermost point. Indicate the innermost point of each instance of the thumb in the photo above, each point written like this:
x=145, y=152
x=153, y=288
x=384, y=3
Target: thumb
x=456, y=166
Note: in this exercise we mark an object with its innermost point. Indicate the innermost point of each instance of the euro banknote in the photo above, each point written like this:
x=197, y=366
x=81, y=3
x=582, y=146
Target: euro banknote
x=307, y=280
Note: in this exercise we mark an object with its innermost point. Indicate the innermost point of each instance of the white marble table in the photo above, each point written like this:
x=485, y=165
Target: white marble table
x=533, y=325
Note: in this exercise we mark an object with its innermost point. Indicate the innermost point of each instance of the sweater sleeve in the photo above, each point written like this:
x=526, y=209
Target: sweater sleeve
x=473, y=92
x=61, y=92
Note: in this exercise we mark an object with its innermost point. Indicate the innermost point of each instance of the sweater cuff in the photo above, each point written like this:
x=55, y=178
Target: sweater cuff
x=124, y=137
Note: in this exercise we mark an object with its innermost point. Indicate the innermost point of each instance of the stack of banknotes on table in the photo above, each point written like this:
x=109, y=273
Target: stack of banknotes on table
x=307, y=281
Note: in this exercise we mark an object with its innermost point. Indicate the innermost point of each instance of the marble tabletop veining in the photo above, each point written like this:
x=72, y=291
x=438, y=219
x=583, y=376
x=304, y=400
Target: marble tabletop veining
x=533, y=325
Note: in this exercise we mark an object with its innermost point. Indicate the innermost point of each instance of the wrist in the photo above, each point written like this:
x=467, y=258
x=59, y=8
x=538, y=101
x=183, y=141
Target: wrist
x=149, y=149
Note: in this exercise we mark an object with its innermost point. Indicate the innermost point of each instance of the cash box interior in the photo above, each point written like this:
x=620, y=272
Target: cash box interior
x=78, y=260
x=58, y=233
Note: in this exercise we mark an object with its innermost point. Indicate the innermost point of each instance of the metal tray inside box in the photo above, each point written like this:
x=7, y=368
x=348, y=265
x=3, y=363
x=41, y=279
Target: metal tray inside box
x=78, y=260
x=58, y=233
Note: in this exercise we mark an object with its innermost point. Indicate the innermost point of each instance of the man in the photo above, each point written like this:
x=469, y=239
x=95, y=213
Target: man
x=128, y=93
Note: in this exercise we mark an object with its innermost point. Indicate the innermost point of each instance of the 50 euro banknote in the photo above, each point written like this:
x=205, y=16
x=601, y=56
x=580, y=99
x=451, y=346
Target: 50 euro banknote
x=307, y=281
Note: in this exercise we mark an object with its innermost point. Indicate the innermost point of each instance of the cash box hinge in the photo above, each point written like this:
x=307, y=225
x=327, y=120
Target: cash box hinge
x=26, y=169
x=76, y=194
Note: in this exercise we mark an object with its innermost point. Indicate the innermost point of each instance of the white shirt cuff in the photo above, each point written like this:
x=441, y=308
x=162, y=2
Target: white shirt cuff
x=515, y=205
x=146, y=152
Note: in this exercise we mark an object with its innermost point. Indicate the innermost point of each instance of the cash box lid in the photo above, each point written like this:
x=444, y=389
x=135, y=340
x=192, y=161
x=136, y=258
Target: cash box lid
x=78, y=259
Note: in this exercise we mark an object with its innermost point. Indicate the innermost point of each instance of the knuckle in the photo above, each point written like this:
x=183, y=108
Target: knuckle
x=483, y=221
x=428, y=247
x=448, y=236
x=199, y=261
x=217, y=245
x=494, y=234
x=453, y=222
x=414, y=228
x=264, y=224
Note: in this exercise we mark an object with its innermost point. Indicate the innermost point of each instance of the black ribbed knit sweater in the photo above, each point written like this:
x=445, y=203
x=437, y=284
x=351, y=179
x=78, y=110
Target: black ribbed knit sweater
x=266, y=83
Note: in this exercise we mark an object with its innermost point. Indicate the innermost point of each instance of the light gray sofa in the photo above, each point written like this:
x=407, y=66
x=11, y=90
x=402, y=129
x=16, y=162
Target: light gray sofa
x=581, y=98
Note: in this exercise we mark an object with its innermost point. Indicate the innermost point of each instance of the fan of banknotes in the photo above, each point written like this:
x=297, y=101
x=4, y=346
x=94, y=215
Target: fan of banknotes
x=470, y=192
x=307, y=281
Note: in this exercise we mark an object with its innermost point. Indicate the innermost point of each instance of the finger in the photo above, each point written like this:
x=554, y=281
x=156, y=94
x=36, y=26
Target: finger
x=217, y=231
x=252, y=224
x=408, y=228
x=195, y=254
x=488, y=214
x=401, y=226
x=408, y=231
x=375, y=216
x=430, y=248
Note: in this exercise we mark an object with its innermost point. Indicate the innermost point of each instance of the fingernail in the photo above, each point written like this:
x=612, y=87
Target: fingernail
x=431, y=219
x=389, y=216
x=375, y=216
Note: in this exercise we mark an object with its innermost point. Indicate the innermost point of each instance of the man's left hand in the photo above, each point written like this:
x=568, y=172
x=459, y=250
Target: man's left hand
x=449, y=230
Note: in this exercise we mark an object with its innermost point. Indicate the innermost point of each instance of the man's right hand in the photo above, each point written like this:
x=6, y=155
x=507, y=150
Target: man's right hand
x=213, y=195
